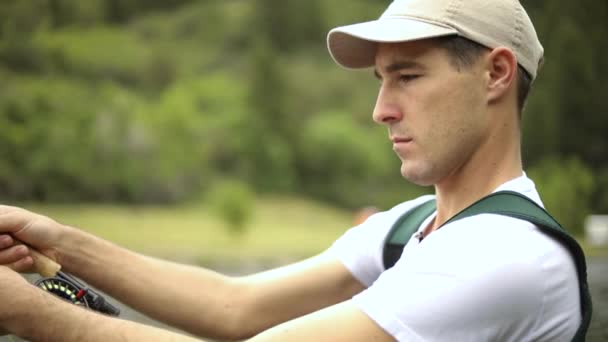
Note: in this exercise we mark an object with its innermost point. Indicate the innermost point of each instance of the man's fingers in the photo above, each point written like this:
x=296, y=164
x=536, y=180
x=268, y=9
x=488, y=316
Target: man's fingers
x=6, y=241
x=24, y=265
x=12, y=221
x=13, y=254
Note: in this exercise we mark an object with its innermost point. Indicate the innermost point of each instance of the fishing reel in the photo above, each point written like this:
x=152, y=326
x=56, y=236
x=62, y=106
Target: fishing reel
x=68, y=288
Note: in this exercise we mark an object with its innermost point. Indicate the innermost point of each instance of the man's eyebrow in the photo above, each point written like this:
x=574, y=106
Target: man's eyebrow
x=398, y=66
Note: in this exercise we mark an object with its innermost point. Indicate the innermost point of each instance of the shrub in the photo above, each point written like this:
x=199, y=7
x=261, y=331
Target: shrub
x=566, y=186
x=232, y=201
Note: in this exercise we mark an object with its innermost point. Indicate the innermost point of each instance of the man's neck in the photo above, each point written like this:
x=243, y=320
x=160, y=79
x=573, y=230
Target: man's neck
x=497, y=161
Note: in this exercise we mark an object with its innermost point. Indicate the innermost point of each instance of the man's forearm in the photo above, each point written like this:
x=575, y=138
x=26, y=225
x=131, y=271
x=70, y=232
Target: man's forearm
x=46, y=318
x=196, y=300
x=204, y=302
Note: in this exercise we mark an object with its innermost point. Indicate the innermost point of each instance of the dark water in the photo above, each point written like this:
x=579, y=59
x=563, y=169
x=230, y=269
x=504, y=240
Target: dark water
x=598, y=283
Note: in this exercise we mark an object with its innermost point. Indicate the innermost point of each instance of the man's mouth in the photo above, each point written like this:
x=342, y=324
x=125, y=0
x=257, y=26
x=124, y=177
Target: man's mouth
x=399, y=140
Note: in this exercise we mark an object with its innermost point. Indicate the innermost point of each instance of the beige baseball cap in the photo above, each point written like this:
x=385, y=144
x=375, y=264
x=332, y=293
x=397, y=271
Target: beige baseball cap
x=491, y=23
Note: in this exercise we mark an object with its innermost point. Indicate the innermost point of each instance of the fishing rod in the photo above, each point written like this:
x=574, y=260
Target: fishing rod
x=67, y=287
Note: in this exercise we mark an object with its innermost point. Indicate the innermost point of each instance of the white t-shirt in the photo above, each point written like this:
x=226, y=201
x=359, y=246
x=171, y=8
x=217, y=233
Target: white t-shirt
x=483, y=278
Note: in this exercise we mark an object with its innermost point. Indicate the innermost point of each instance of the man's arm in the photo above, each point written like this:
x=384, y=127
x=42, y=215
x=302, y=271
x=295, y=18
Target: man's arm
x=207, y=303
x=38, y=316
x=343, y=322
x=199, y=301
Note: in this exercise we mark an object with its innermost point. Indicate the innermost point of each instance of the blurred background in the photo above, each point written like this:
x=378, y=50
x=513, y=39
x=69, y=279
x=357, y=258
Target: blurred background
x=221, y=133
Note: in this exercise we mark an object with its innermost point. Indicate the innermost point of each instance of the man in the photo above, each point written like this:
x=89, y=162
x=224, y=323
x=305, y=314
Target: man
x=454, y=76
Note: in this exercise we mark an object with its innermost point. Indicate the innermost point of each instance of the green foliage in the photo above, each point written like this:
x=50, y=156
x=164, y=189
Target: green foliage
x=137, y=65
x=61, y=139
x=565, y=114
x=343, y=161
x=232, y=201
x=565, y=186
x=192, y=129
x=270, y=126
x=289, y=24
x=148, y=101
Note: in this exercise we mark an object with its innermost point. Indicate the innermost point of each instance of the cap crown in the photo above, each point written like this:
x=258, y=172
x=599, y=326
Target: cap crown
x=490, y=23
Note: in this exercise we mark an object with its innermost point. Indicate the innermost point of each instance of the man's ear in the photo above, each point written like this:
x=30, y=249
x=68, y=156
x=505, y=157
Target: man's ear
x=502, y=72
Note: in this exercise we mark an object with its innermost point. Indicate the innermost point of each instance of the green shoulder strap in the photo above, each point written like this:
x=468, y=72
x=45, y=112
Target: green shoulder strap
x=507, y=203
x=402, y=231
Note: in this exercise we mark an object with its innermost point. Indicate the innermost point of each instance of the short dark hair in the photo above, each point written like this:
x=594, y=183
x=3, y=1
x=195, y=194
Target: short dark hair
x=464, y=53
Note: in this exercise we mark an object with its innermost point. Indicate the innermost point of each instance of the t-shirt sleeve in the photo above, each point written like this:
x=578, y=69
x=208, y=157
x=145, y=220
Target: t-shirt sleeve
x=360, y=248
x=458, y=294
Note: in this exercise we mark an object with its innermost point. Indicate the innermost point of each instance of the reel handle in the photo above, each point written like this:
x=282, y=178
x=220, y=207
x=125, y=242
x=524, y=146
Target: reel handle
x=43, y=265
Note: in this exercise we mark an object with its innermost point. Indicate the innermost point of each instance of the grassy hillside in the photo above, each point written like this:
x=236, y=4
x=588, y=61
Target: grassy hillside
x=281, y=228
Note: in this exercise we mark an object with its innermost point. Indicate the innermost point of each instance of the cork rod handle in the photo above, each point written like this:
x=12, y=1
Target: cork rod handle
x=43, y=265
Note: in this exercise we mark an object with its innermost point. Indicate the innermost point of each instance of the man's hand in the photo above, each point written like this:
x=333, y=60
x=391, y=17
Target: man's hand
x=39, y=232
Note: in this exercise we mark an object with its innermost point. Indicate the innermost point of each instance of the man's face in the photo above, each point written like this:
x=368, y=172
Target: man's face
x=435, y=114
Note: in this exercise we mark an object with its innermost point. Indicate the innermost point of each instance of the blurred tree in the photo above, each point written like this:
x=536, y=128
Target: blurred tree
x=271, y=127
x=289, y=24
x=55, y=144
x=344, y=162
x=565, y=114
x=565, y=186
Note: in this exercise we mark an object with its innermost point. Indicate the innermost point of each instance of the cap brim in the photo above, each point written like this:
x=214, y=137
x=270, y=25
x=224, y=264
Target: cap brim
x=354, y=46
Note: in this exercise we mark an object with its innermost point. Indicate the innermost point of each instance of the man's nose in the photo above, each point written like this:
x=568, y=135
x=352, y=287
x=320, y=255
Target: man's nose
x=386, y=110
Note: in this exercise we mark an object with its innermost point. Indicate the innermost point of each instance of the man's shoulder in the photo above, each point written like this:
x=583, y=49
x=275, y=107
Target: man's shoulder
x=494, y=228
x=492, y=240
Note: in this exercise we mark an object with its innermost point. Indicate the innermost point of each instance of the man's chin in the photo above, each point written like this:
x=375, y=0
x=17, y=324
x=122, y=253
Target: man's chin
x=416, y=175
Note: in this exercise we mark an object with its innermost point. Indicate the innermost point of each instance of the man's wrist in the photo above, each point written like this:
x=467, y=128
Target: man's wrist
x=84, y=255
x=72, y=247
x=65, y=242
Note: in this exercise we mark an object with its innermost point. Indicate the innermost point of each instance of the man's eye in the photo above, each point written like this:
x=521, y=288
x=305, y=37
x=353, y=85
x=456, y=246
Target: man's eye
x=408, y=77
